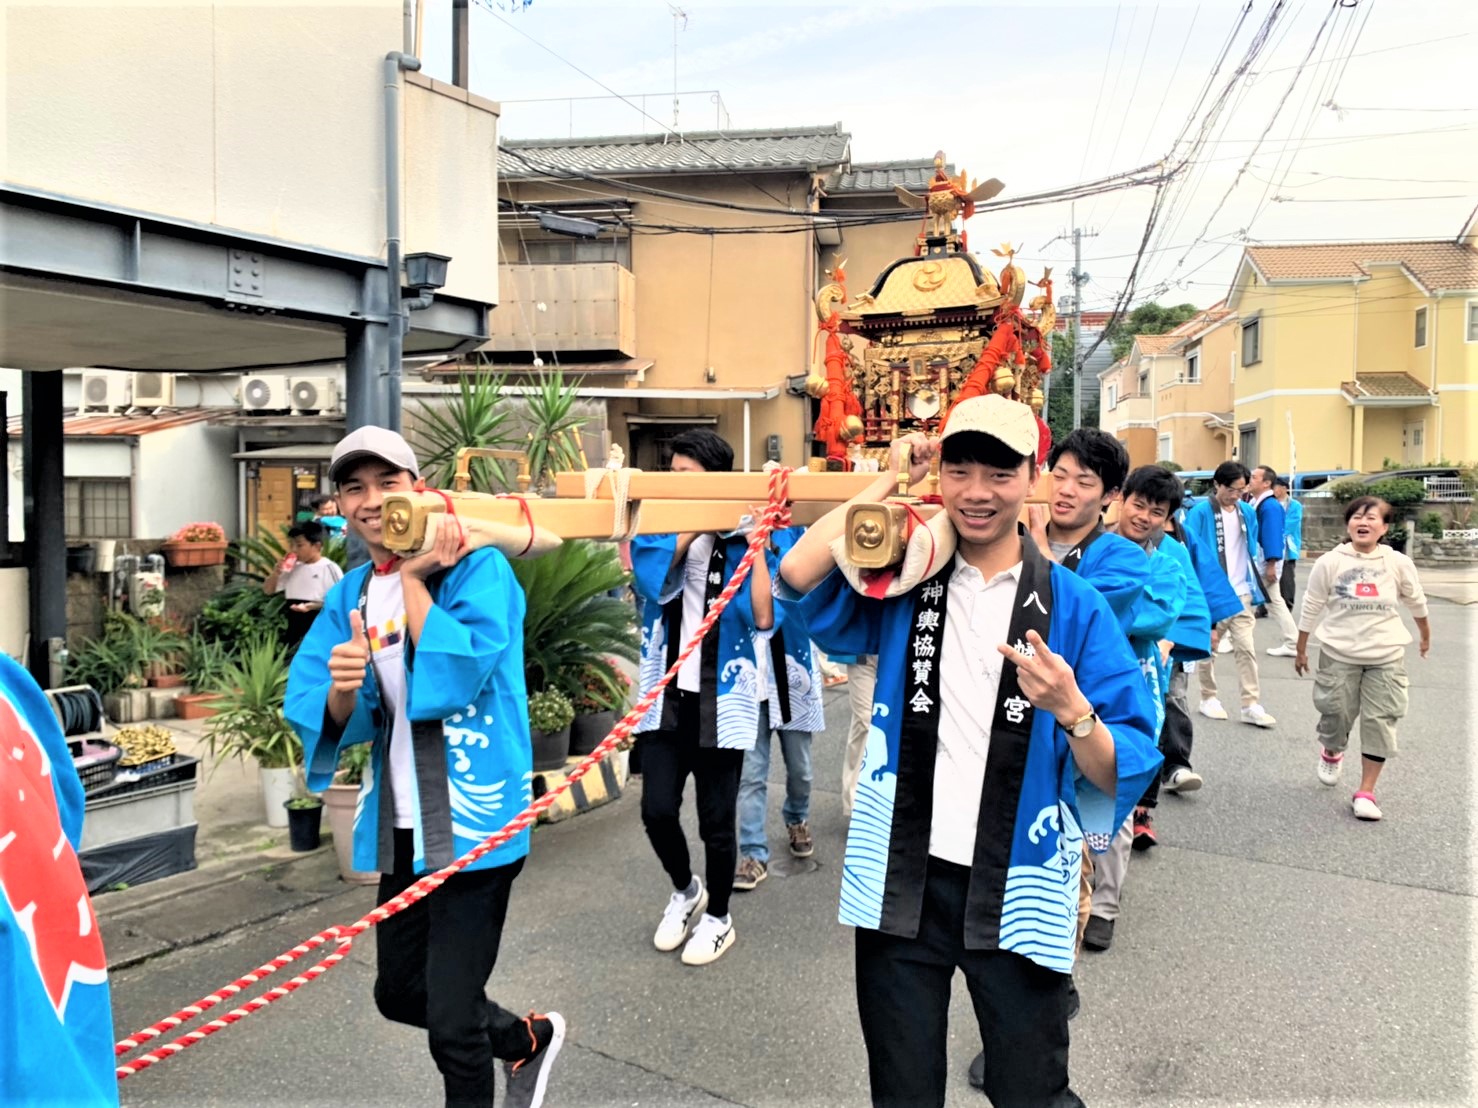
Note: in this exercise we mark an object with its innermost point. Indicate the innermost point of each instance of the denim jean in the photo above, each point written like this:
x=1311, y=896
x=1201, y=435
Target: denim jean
x=795, y=748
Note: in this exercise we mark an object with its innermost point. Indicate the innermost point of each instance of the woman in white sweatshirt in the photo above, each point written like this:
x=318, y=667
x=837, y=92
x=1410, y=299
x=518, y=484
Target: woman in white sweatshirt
x=1352, y=598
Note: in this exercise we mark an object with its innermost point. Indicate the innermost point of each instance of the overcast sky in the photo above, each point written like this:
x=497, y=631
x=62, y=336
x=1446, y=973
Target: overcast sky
x=1043, y=97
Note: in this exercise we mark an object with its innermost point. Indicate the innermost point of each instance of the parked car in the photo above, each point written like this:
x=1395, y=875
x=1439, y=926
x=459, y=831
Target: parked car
x=1443, y=482
x=1315, y=482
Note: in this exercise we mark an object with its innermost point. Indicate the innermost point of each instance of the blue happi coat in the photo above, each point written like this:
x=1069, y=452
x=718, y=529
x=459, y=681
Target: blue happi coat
x=732, y=704
x=465, y=681
x=56, y=1026
x=1191, y=632
x=1114, y=566
x=797, y=686
x=1200, y=530
x=1024, y=885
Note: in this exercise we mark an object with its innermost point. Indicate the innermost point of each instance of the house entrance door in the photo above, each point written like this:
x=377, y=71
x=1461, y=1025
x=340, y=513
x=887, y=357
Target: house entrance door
x=1413, y=443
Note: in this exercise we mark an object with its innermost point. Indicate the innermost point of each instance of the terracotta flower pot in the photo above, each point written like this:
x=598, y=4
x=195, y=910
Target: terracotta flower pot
x=182, y=555
x=340, y=802
x=197, y=705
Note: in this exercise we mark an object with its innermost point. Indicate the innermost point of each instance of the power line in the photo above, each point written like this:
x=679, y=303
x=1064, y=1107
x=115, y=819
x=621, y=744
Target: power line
x=1098, y=100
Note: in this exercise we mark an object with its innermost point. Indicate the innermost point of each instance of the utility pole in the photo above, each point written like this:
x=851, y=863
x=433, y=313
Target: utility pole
x=1078, y=279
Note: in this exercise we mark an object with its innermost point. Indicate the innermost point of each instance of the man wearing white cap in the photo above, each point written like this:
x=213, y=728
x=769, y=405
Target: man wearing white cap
x=422, y=657
x=1010, y=726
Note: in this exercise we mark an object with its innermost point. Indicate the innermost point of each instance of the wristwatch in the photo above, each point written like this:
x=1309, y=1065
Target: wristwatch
x=1081, y=728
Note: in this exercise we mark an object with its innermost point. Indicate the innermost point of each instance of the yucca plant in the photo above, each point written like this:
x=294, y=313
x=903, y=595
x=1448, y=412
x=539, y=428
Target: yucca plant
x=250, y=722
x=478, y=414
x=554, y=427
x=572, y=624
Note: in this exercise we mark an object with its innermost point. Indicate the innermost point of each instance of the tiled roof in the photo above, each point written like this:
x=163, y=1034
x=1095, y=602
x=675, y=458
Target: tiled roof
x=913, y=174
x=1436, y=265
x=74, y=426
x=1156, y=344
x=1386, y=386
x=794, y=149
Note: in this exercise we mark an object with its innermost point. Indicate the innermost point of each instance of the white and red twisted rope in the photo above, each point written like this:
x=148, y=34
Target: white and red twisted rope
x=776, y=514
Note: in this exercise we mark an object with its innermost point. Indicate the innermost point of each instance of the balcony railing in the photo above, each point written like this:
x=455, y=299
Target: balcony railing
x=584, y=307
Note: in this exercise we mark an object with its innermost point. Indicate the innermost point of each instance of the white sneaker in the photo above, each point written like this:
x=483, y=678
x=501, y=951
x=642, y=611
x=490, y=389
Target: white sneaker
x=1329, y=767
x=1182, y=780
x=1225, y=646
x=1364, y=807
x=710, y=939
x=1257, y=716
x=678, y=918
x=1283, y=650
x=1211, y=708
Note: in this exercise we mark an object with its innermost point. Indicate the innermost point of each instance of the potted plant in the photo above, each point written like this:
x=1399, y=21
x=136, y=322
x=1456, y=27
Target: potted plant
x=196, y=544
x=115, y=664
x=204, y=661
x=304, y=817
x=550, y=715
x=603, y=689
x=249, y=724
x=340, y=801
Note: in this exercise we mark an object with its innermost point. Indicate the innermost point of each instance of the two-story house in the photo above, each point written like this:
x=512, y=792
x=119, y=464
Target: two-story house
x=685, y=296
x=1351, y=354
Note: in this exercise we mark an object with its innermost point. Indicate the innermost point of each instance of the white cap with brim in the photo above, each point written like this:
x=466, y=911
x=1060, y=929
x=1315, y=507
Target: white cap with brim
x=371, y=443
x=1010, y=421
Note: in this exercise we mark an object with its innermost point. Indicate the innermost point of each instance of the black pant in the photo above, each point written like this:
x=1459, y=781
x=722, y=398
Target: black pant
x=1176, y=733
x=1286, y=584
x=668, y=757
x=432, y=962
x=903, y=990
x=299, y=624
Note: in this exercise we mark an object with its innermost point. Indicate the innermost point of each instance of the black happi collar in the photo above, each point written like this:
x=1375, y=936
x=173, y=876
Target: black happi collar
x=1071, y=559
x=672, y=621
x=1011, y=729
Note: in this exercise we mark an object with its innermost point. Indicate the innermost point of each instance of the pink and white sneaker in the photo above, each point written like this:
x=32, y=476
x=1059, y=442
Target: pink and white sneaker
x=1364, y=806
x=1329, y=766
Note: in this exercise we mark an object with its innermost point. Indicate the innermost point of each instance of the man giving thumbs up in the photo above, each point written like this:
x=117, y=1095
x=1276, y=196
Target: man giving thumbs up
x=423, y=659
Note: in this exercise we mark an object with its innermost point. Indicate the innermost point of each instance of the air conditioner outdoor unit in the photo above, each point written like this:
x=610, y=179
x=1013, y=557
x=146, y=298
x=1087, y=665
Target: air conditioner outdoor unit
x=104, y=391
x=264, y=394
x=314, y=395
x=153, y=390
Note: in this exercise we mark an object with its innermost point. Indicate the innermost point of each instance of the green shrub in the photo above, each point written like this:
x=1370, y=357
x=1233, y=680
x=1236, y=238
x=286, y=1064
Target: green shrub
x=1432, y=523
x=1400, y=493
x=242, y=611
x=1169, y=466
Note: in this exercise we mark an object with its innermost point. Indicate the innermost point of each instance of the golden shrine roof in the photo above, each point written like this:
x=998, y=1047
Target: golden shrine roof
x=925, y=285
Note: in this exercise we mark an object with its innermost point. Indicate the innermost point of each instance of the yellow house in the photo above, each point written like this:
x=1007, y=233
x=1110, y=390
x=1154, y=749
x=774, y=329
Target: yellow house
x=1169, y=398
x=1352, y=354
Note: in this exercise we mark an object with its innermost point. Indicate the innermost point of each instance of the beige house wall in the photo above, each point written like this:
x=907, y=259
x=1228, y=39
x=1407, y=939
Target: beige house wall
x=260, y=118
x=742, y=304
x=1184, y=407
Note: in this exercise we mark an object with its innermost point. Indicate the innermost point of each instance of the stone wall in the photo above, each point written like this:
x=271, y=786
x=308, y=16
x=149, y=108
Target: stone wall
x=186, y=591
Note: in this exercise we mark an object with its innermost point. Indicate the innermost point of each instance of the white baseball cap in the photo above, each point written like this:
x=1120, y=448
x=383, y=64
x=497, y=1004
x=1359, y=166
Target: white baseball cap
x=371, y=442
x=1010, y=421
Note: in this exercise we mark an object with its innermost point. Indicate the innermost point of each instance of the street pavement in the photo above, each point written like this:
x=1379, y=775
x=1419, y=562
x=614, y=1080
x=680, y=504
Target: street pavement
x=1271, y=951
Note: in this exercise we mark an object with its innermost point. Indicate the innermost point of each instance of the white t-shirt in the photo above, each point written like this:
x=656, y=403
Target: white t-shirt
x=695, y=588
x=977, y=619
x=1238, y=568
x=385, y=626
x=309, y=584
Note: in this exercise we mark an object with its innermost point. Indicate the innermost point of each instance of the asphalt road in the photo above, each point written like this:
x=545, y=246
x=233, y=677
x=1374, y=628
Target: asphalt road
x=1272, y=951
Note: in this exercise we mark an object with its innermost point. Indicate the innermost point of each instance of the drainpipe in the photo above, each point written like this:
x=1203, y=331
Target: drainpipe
x=395, y=61
x=746, y=435
x=1435, y=313
x=1357, y=430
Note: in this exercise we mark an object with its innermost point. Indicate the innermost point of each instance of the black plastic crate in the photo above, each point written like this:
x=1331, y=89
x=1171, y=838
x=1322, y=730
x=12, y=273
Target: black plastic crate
x=96, y=762
x=167, y=771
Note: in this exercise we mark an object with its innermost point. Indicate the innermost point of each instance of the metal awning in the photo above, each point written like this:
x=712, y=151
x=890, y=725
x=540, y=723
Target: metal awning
x=666, y=419
x=290, y=452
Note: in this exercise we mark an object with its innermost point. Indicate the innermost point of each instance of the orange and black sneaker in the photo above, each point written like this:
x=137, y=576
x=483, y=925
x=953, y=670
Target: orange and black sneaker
x=528, y=1079
x=1144, y=830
